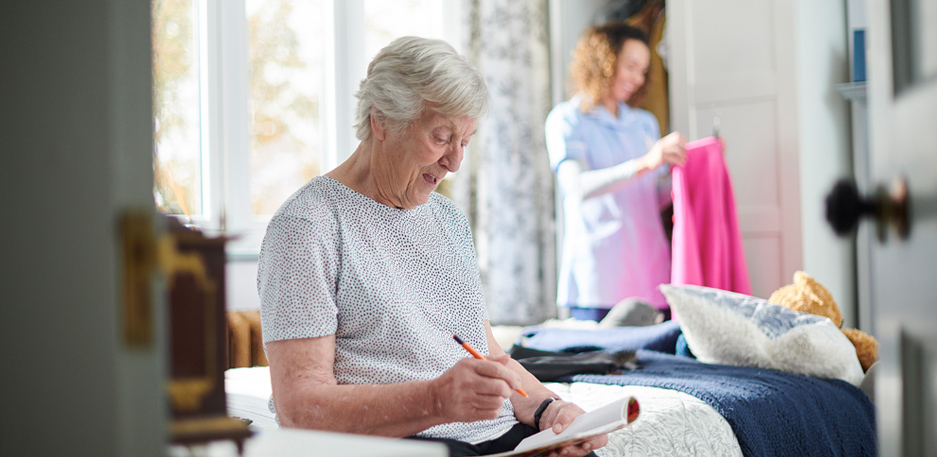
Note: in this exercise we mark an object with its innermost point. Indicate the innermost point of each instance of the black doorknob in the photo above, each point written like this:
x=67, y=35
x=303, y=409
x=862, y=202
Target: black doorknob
x=845, y=207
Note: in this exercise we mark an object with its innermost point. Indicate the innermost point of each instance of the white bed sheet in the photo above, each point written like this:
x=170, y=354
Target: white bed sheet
x=248, y=396
x=671, y=422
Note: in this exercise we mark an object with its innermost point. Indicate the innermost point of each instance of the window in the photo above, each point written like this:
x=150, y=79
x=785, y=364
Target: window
x=253, y=98
x=175, y=79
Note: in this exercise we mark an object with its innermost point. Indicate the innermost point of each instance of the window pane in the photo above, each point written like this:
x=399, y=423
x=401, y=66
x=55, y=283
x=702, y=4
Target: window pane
x=386, y=21
x=177, y=161
x=286, y=41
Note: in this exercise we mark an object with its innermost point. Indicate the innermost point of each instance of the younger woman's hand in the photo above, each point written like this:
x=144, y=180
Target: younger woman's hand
x=669, y=149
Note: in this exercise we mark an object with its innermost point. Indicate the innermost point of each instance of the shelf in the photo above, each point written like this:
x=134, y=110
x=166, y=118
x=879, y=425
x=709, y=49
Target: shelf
x=853, y=91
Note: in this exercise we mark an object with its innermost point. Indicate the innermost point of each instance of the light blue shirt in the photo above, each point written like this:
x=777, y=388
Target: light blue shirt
x=614, y=244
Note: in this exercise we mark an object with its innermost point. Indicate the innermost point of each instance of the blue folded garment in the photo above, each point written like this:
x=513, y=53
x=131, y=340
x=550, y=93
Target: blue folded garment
x=683, y=348
x=661, y=337
x=773, y=413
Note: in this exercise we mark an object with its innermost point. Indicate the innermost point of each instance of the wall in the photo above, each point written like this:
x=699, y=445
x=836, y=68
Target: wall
x=856, y=19
x=824, y=144
x=735, y=61
x=241, y=284
x=567, y=22
x=77, y=149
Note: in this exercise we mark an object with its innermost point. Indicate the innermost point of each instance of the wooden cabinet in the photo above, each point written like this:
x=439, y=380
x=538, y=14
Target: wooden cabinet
x=195, y=270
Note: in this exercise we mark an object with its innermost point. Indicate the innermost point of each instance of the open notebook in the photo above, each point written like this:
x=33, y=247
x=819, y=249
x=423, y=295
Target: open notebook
x=606, y=419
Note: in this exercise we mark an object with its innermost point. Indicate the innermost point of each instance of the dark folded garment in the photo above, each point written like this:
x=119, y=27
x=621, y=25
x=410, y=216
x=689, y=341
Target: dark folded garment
x=550, y=366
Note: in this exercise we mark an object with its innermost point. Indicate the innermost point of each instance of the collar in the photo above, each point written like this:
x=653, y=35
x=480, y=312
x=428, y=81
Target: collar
x=601, y=114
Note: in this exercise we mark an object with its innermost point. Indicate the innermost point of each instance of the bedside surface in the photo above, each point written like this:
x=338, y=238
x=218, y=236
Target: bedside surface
x=291, y=442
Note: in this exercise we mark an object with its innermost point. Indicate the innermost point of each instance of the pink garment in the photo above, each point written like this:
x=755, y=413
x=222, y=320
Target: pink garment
x=707, y=246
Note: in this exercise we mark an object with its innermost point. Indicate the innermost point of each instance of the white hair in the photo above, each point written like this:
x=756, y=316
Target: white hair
x=412, y=74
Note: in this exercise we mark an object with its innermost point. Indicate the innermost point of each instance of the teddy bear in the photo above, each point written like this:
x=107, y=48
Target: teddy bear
x=806, y=295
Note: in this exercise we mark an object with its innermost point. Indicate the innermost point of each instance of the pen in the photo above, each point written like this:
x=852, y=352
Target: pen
x=477, y=355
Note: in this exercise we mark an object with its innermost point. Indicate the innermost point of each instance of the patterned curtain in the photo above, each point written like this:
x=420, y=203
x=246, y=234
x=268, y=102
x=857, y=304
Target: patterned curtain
x=505, y=185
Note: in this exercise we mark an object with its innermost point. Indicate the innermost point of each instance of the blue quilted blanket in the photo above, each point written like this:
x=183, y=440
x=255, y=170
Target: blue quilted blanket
x=772, y=413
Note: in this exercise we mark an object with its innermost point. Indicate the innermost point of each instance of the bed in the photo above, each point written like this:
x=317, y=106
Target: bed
x=774, y=387
x=671, y=422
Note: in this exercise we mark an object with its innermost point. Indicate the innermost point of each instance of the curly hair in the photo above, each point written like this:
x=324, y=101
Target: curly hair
x=594, y=60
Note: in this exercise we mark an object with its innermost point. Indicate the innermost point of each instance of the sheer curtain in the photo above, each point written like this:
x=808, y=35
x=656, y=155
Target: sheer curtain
x=506, y=185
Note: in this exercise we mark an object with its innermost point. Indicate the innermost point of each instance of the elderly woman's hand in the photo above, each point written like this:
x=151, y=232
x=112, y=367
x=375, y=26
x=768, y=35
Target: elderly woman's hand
x=474, y=389
x=558, y=415
x=669, y=149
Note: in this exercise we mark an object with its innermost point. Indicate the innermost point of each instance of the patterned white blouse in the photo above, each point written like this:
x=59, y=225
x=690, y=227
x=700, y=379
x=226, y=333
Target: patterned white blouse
x=393, y=285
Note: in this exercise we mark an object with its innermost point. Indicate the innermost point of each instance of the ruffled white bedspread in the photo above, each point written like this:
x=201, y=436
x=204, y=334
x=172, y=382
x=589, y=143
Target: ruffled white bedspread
x=671, y=423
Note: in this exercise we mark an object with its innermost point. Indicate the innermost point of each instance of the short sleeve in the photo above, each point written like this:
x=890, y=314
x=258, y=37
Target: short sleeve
x=562, y=137
x=297, y=278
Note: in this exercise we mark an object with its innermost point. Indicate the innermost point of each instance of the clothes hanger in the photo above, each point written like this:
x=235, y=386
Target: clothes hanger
x=717, y=120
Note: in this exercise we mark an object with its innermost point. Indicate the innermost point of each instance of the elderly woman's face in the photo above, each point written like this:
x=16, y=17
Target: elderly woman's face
x=415, y=160
x=631, y=67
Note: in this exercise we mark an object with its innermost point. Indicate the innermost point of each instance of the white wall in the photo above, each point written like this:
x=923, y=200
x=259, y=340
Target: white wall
x=857, y=19
x=77, y=149
x=568, y=19
x=825, y=144
x=736, y=60
x=241, y=285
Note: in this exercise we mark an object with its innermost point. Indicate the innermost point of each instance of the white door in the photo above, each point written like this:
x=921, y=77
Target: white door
x=77, y=152
x=902, y=55
x=732, y=63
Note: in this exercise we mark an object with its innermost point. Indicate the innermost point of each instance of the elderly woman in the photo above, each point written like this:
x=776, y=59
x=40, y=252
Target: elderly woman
x=614, y=170
x=366, y=274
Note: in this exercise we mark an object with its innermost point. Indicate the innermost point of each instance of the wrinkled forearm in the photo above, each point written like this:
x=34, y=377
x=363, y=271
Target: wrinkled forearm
x=392, y=410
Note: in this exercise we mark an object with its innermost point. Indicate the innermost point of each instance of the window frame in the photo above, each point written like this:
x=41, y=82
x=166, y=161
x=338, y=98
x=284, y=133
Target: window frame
x=224, y=107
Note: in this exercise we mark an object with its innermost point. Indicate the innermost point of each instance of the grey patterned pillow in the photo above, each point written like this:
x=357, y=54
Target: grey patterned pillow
x=735, y=329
